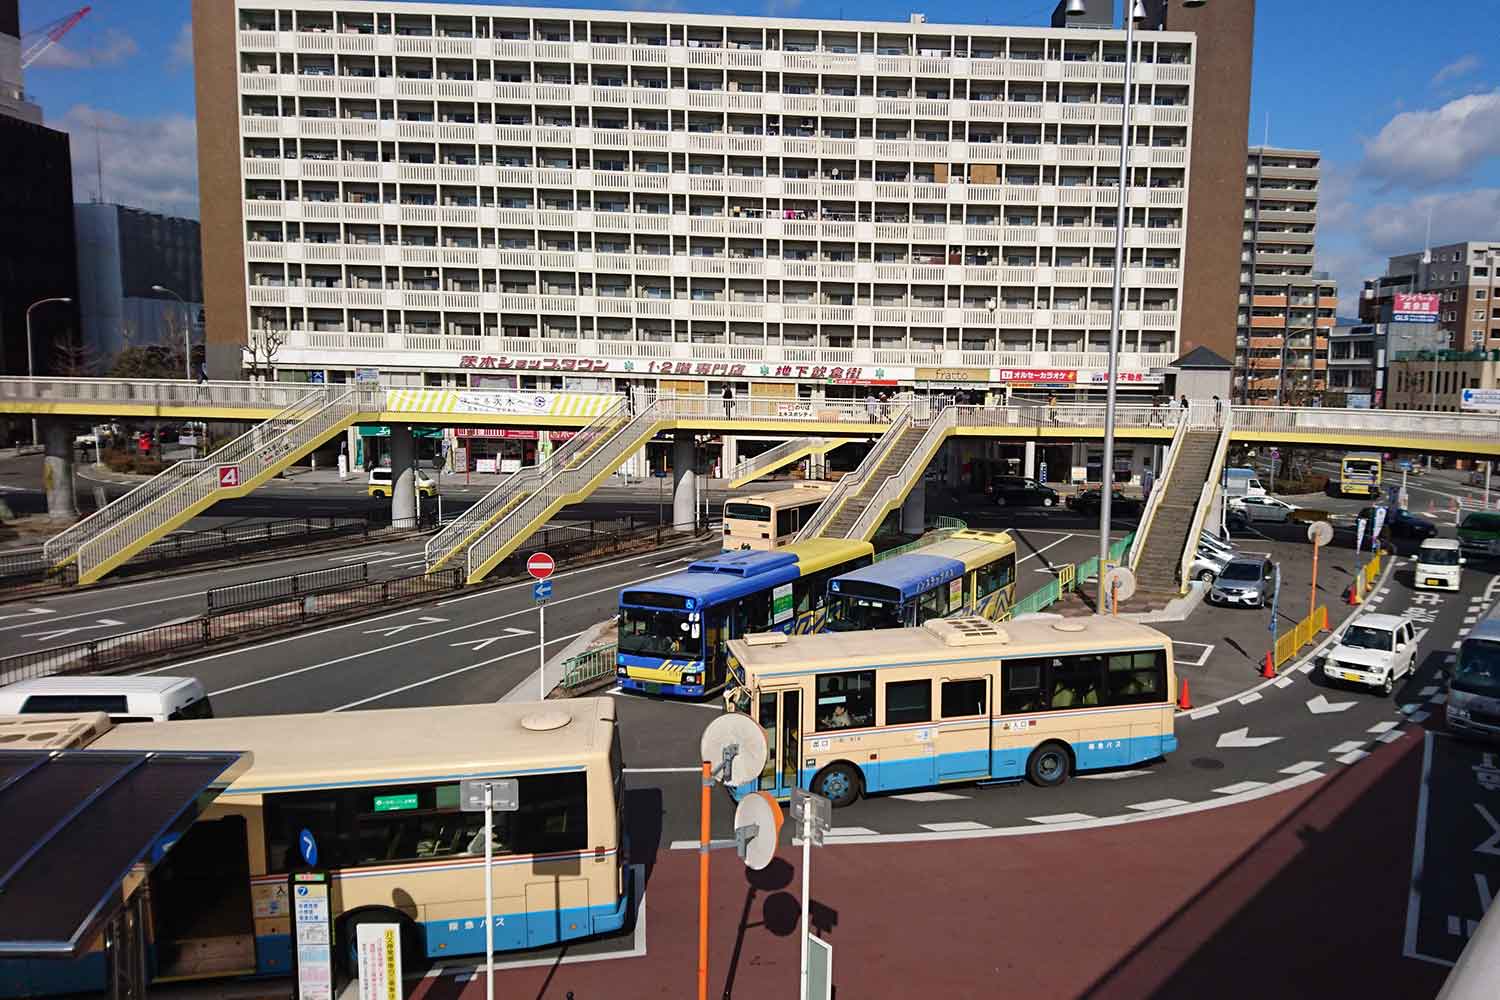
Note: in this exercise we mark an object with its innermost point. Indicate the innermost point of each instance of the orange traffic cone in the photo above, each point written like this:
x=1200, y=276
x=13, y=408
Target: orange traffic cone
x=1184, y=696
x=1268, y=669
x=1352, y=594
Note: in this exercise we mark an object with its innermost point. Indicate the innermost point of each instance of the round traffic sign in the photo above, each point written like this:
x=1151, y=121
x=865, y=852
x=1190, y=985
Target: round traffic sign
x=540, y=565
x=1320, y=533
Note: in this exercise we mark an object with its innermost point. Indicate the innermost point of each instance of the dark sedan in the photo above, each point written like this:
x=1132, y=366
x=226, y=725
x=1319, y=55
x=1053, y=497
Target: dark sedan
x=1401, y=523
x=1018, y=491
x=1120, y=505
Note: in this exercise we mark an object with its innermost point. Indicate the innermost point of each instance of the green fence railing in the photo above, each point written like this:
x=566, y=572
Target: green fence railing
x=589, y=666
x=943, y=525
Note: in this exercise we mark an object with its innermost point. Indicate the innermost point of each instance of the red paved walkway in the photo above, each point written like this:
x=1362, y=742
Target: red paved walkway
x=1302, y=894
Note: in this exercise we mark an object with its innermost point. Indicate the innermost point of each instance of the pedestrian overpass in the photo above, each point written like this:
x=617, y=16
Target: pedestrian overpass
x=290, y=421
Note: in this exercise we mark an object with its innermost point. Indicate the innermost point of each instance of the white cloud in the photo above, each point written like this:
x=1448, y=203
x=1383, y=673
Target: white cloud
x=181, y=54
x=1421, y=147
x=1459, y=215
x=115, y=47
x=149, y=163
x=1462, y=66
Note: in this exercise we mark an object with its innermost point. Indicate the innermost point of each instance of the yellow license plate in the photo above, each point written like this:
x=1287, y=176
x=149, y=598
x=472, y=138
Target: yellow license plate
x=1346, y=675
x=1434, y=582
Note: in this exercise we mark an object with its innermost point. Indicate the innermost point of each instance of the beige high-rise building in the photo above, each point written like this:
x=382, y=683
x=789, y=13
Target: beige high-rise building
x=1286, y=307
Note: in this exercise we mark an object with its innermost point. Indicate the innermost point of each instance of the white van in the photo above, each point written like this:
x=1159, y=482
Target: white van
x=1439, y=565
x=157, y=698
x=1242, y=482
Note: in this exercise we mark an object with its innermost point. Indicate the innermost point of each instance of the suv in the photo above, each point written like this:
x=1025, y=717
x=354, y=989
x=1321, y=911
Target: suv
x=1375, y=651
x=380, y=483
x=1018, y=491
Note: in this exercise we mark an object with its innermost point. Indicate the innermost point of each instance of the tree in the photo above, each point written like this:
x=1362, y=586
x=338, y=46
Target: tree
x=147, y=361
x=71, y=359
x=260, y=352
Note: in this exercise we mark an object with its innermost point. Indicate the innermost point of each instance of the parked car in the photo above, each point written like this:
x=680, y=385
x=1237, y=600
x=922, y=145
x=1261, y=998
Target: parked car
x=1018, y=491
x=1476, y=477
x=1218, y=546
x=1253, y=509
x=1401, y=523
x=1121, y=505
x=1374, y=651
x=380, y=483
x=1246, y=581
x=1208, y=563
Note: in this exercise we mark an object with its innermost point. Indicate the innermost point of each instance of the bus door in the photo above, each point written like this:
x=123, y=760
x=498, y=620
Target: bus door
x=964, y=739
x=779, y=713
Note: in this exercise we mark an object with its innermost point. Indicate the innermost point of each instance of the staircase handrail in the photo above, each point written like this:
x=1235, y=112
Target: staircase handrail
x=1206, y=497
x=461, y=528
x=1158, y=490
x=67, y=542
x=255, y=452
x=851, y=482
x=564, y=481
x=773, y=457
x=895, y=486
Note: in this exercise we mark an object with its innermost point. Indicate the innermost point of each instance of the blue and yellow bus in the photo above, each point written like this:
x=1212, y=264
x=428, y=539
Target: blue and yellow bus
x=673, y=631
x=969, y=573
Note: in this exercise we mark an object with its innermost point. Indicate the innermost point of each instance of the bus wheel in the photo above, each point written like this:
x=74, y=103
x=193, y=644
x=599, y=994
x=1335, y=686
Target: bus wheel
x=1049, y=765
x=838, y=783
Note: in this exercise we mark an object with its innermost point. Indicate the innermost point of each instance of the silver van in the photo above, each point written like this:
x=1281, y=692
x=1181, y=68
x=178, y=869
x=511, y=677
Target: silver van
x=157, y=698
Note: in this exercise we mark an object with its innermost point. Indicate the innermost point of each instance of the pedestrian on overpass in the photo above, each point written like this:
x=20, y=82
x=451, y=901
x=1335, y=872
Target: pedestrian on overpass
x=1218, y=412
x=1052, y=407
x=872, y=407
x=1184, y=404
x=729, y=401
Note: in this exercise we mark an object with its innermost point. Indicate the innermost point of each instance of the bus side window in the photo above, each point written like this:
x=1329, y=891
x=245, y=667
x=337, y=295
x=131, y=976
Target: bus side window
x=932, y=604
x=1023, y=687
x=962, y=698
x=845, y=701
x=1075, y=681
x=1137, y=678
x=786, y=521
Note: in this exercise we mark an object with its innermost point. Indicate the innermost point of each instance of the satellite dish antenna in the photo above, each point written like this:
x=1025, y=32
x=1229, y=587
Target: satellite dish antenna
x=757, y=829
x=1320, y=533
x=744, y=740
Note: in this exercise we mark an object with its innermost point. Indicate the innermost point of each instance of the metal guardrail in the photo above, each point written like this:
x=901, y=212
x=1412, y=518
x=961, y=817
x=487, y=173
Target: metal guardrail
x=589, y=665
x=164, y=641
x=851, y=484
x=25, y=566
x=1289, y=643
x=895, y=486
x=280, y=588
x=156, y=392
x=773, y=458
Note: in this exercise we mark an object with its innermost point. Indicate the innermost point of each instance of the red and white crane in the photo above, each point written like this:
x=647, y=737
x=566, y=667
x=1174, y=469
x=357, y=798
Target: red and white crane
x=48, y=35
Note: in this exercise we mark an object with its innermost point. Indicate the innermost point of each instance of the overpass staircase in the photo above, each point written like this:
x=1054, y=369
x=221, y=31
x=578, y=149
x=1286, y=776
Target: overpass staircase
x=782, y=455
x=506, y=516
x=115, y=532
x=1179, y=504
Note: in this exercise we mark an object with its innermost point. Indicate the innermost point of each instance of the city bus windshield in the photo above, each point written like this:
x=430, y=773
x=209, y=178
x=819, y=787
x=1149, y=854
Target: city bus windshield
x=1478, y=668
x=1359, y=468
x=747, y=511
x=847, y=613
x=669, y=634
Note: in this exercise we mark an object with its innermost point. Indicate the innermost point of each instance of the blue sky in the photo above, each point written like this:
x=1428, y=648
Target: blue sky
x=1405, y=110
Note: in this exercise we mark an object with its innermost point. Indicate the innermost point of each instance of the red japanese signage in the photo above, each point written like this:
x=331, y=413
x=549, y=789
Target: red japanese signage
x=503, y=363
x=509, y=433
x=1038, y=376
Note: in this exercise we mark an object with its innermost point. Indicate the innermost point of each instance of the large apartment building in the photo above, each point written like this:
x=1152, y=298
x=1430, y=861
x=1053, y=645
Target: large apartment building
x=1287, y=308
x=471, y=195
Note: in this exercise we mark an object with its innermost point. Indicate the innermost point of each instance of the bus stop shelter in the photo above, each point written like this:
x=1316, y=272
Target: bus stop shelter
x=81, y=834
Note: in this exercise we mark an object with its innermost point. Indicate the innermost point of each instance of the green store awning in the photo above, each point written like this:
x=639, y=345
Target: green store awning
x=382, y=431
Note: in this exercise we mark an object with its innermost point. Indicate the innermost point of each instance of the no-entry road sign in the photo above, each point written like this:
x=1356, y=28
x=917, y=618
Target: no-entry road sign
x=540, y=565
x=229, y=476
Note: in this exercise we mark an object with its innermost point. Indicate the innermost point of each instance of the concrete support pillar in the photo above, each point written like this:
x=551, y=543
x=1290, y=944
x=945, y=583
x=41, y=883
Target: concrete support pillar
x=1029, y=466
x=914, y=511
x=403, y=475
x=684, y=480
x=956, y=453
x=57, y=471
x=729, y=455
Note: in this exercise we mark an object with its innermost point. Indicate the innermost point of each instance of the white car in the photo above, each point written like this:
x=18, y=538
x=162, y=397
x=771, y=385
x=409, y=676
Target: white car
x=1374, y=651
x=1252, y=509
x=1439, y=565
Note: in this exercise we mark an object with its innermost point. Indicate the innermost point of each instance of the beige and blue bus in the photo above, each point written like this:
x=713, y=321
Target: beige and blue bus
x=954, y=700
x=769, y=521
x=969, y=573
x=373, y=799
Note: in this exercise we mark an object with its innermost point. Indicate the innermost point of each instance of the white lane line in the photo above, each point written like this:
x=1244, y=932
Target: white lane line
x=1419, y=717
x=453, y=673
x=1408, y=708
x=1347, y=746
x=1302, y=767
x=1282, y=682
x=850, y=831
x=1381, y=727
x=1306, y=668
x=526, y=584
x=366, y=556
x=1044, y=548
x=1471, y=619
x=1203, y=713
x=1250, y=698
x=963, y=824
x=89, y=614
x=394, y=645
x=1353, y=757
x=1060, y=818
x=1391, y=736
x=1111, y=775
x=1241, y=786
x=929, y=797
x=692, y=845
x=1157, y=804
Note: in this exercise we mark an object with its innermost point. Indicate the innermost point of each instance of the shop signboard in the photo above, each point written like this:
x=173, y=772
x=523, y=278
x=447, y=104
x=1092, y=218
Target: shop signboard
x=1037, y=376
x=1415, y=307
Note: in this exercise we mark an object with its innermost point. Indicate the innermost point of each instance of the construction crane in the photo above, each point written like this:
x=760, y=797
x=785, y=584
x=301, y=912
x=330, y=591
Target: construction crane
x=48, y=35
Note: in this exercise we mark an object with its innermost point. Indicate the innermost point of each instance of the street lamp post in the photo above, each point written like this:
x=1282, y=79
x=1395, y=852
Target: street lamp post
x=187, y=331
x=1136, y=11
x=30, y=358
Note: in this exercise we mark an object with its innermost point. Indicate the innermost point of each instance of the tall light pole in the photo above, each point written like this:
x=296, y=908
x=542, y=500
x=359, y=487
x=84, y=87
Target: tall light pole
x=187, y=330
x=30, y=359
x=1135, y=12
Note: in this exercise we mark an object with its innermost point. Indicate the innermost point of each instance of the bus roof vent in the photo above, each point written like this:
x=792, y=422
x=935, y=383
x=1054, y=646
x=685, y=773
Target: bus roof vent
x=1069, y=626
x=545, y=721
x=52, y=732
x=766, y=639
x=966, y=631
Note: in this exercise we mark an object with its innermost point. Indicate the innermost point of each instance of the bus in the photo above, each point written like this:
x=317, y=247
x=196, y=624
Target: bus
x=377, y=793
x=769, y=521
x=672, y=631
x=968, y=573
x=953, y=700
x=1473, y=704
x=1359, y=474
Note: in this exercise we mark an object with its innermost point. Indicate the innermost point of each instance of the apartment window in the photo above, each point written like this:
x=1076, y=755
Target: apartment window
x=1479, y=294
x=1478, y=314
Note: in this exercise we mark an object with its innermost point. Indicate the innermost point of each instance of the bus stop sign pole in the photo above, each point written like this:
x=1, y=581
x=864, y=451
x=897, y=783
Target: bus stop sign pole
x=487, y=795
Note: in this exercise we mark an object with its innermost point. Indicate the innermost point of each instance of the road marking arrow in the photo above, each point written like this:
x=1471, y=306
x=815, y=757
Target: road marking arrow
x=30, y=613
x=388, y=632
x=1322, y=706
x=1240, y=739
x=479, y=644
x=59, y=633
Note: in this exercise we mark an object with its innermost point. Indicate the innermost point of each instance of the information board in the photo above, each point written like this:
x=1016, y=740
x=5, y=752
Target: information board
x=781, y=603
x=312, y=935
x=379, y=947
